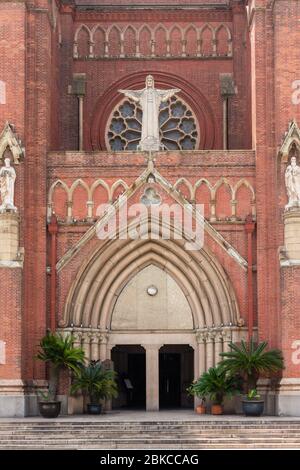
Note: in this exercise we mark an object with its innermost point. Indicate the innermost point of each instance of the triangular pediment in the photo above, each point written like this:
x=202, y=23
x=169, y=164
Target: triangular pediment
x=135, y=191
x=292, y=136
x=8, y=139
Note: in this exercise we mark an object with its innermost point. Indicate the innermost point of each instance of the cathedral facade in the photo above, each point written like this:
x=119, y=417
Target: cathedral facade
x=76, y=149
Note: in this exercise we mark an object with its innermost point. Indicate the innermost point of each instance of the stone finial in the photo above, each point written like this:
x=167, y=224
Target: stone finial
x=8, y=139
x=292, y=136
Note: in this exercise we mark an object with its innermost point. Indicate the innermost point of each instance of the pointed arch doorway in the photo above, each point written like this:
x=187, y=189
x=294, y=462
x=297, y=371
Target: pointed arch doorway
x=153, y=294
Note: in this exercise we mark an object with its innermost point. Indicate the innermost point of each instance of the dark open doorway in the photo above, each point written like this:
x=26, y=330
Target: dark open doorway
x=169, y=380
x=176, y=372
x=130, y=365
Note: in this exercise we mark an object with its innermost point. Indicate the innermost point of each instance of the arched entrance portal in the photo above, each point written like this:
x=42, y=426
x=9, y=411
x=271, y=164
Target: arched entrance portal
x=155, y=296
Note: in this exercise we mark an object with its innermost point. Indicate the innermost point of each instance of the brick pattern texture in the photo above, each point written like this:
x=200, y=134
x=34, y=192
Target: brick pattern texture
x=37, y=66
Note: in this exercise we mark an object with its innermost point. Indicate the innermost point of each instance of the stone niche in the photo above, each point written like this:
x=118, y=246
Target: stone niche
x=152, y=300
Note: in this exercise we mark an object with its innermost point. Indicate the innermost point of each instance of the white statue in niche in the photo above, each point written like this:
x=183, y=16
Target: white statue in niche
x=292, y=182
x=150, y=98
x=7, y=186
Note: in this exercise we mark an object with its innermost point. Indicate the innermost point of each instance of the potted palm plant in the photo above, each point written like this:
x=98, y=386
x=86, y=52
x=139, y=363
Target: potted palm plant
x=59, y=353
x=216, y=384
x=97, y=382
x=251, y=360
x=193, y=390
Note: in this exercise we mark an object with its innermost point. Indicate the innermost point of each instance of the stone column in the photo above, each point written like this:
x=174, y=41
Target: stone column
x=218, y=347
x=210, y=349
x=226, y=333
x=90, y=205
x=86, y=346
x=69, y=211
x=200, y=365
x=95, y=347
x=152, y=376
x=77, y=338
x=109, y=347
x=103, y=345
x=212, y=217
x=201, y=339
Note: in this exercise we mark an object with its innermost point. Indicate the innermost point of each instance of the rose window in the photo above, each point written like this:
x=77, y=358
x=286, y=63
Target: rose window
x=178, y=126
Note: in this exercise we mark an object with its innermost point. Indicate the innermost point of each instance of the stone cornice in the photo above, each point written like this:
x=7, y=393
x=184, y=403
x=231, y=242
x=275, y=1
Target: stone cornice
x=153, y=15
x=151, y=6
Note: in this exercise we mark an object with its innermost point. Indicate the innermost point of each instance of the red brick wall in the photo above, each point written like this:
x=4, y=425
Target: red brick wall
x=200, y=73
x=290, y=318
x=38, y=104
x=12, y=64
x=11, y=321
x=275, y=65
x=268, y=289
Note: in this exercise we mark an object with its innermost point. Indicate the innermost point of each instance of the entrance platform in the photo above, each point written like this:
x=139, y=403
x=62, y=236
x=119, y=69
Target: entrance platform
x=176, y=429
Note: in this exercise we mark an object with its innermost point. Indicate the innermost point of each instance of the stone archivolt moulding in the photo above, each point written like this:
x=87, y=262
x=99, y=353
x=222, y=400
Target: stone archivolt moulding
x=8, y=139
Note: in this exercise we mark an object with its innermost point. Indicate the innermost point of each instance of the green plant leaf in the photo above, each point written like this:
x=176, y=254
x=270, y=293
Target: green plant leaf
x=59, y=352
x=216, y=383
x=97, y=382
x=251, y=360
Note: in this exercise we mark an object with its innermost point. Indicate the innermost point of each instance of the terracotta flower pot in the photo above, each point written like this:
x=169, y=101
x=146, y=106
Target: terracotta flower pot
x=201, y=410
x=216, y=409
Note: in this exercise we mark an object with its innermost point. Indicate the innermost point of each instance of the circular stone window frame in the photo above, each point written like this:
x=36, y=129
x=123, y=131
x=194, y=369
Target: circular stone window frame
x=191, y=95
x=163, y=133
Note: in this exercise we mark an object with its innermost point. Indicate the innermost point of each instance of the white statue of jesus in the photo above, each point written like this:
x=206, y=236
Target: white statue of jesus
x=150, y=98
x=7, y=186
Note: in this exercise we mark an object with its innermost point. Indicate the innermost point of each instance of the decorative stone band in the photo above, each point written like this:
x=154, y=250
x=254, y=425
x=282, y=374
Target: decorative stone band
x=21, y=387
x=211, y=342
x=92, y=341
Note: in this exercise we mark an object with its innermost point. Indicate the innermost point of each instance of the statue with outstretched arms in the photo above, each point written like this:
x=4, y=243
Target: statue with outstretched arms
x=150, y=98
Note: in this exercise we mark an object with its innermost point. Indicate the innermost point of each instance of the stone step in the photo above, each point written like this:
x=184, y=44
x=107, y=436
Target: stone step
x=136, y=437
x=54, y=424
x=144, y=446
x=138, y=430
x=152, y=439
x=208, y=434
x=88, y=434
x=116, y=435
x=102, y=420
